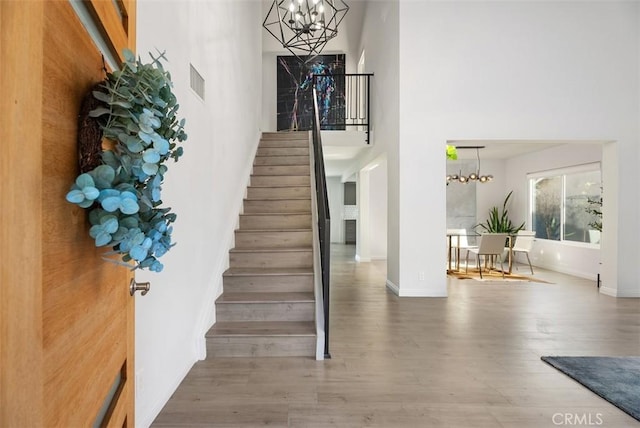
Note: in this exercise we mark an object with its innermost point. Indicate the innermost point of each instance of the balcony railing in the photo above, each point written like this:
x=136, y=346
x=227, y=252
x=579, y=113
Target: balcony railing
x=350, y=107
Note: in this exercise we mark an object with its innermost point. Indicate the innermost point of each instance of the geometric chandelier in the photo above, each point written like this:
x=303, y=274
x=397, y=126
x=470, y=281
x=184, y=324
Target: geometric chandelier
x=304, y=27
x=474, y=176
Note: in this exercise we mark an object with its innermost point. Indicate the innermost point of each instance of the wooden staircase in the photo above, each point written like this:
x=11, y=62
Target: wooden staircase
x=267, y=308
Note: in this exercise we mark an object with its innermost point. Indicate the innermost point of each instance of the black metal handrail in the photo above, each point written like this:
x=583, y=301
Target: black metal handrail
x=348, y=101
x=324, y=219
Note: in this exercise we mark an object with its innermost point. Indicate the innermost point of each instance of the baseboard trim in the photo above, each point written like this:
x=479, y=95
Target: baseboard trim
x=394, y=288
x=566, y=271
x=160, y=403
x=362, y=259
x=609, y=291
x=208, y=315
x=423, y=293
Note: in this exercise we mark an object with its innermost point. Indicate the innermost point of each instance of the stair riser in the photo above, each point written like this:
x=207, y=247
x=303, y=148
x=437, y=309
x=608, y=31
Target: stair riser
x=277, y=206
x=283, y=151
x=280, y=180
x=291, y=221
x=269, y=283
x=287, y=311
x=281, y=160
x=271, y=259
x=286, y=136
x=278, y=192
x=275, y=143
x=279, y=239
x=267, y=346
x=281, y=170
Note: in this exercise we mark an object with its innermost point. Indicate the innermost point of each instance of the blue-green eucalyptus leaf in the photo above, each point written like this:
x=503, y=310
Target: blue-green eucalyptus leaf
x=84, y=180
x=133, y=128
x=94, y=215
x=97, y=112
x=104, y=176
x=150, y=168
x=111, y=203
x=110, y=223
x=108, y=193
x=101, y=96
x=109, y=158
x=95, y=230
x=151, y=156
x=129, y=206
x=129, y=222
x=160, y=144
x=75, y=196
x=102, y=239
x=144, y=136
x=155, y=194
x=86, y=203
x=138, y=253
x=146, y=201
x=123, y=104
x=120, y=233
x=135, y=147
x=128, y=55
x=90, y=193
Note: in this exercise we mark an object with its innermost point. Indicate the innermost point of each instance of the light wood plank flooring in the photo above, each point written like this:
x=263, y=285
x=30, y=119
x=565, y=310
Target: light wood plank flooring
x=471, y=360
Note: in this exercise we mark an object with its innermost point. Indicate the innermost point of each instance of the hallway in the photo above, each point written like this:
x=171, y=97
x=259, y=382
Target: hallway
x=471, y=360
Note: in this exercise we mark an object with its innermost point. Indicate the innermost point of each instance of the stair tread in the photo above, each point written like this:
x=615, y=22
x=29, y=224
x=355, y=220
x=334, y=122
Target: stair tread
x=285, y=186
x=235, y=271
x=281, y=155
x=279, y=214
x=274, y=186
x=280, y=229
x=279, y=175
x=272, y=250
x=282, y=198
x=266, y=297
x=279, y=198
x=262, y=328
x=305, y=212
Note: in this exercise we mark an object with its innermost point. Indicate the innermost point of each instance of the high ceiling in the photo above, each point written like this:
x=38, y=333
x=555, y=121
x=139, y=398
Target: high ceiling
x=500, y=149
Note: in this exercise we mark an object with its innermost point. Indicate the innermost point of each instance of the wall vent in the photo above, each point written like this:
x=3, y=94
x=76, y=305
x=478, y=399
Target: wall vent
x=197, y=82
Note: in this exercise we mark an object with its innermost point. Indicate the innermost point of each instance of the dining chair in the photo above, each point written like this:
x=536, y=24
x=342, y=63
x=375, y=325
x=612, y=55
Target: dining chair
x=491, y=244
x=459, y=242
x=524, y=244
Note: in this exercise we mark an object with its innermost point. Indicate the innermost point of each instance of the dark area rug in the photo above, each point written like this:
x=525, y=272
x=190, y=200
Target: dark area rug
x=616, y=379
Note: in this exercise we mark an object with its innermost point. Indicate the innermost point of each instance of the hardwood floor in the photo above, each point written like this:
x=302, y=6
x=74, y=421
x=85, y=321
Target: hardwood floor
x=470, y=360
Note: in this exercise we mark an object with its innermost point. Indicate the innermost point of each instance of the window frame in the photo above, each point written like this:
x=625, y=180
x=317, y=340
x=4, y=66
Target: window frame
x=562, y=173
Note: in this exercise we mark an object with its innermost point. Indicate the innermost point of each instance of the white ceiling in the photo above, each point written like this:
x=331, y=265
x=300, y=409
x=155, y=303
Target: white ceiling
x=501, y=149
x=338, y=158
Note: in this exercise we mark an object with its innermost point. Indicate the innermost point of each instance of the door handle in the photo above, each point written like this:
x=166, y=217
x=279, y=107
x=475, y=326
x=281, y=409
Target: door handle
x=139, y=286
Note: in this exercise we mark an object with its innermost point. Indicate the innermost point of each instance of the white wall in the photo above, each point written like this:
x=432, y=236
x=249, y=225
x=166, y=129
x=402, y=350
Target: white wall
x=205, y=188
x=378, y=210
x=335, y=194
x=380, y=41
x=516, y=70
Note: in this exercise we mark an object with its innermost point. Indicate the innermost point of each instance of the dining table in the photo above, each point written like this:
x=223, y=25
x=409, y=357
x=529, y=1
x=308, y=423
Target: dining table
x=452, y=236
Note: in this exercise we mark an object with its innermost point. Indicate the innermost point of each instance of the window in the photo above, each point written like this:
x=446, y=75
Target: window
x=560, y=203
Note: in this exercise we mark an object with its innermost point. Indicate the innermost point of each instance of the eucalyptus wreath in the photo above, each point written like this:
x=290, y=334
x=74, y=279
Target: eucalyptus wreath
x=137, y=110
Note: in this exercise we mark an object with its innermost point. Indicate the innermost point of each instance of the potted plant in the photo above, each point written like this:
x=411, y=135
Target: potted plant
x=499, y=221
x=136, y=111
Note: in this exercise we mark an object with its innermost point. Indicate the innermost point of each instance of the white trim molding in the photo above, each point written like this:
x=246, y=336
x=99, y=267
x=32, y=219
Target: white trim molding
x=394, y=288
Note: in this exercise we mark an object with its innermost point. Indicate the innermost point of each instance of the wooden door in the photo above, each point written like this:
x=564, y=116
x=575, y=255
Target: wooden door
x=66, y=316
